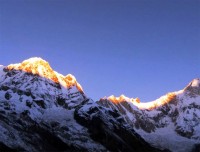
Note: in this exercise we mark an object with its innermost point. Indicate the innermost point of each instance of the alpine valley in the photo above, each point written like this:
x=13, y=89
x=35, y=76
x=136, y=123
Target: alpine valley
x=42, y=110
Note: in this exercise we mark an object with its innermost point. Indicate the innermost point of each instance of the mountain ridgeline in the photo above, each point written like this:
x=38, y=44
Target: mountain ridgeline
x=42, y=110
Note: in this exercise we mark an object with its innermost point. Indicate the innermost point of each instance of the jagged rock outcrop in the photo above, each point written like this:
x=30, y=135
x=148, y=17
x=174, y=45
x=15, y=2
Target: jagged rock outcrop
x=109, y=128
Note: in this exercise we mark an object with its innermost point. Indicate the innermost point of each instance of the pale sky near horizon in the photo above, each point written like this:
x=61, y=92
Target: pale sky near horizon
x=140, y=48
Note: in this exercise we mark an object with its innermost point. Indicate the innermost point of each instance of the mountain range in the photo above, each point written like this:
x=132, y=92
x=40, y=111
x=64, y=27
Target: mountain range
x=42, y=110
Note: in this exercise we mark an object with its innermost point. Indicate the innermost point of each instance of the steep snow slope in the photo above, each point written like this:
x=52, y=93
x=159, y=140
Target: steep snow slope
x=171, y=122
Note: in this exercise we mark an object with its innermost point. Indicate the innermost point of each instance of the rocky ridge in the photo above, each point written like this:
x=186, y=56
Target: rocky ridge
x=170, y=122
x=42, y=110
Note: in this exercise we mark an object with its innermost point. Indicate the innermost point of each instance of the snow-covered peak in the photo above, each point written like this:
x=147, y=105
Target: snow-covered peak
x=163, y=100
x=121, y=98
x=118, y=99
x=32, y=61
x=145, y=105
x=193, y=86
x=35, y=65
x=195, y=82
x=42, y=68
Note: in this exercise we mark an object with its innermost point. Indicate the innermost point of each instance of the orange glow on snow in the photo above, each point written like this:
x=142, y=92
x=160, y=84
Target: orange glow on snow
x=118, y=99
x=148, y=105
x=42, y=68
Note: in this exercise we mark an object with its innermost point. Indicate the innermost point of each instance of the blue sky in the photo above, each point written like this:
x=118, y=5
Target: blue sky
x=140, y=48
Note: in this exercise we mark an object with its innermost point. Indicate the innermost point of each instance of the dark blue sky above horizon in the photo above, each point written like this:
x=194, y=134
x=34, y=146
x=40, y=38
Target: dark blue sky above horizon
x=140, y=48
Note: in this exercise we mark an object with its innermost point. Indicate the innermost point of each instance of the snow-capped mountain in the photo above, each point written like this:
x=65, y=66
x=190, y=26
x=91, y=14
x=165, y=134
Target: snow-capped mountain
x=170, y=122
x=35, y=75
x=42, y=110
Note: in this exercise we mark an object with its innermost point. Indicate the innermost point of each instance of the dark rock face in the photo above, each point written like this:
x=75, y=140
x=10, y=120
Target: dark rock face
x=196, y=148
x=36, y=136
x=108, y=128
x=5, y=148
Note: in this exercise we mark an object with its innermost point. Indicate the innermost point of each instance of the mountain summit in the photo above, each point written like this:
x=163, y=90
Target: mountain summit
x=42, y=68
x=195, y=82
x=35, y=65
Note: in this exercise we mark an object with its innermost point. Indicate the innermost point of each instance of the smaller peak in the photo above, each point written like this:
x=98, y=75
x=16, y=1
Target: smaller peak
x=195, y=82
x=70, y=80
x=122, y=98
x=118, y=99
x=111, y=97
x=70, y=77
x=137, y=100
